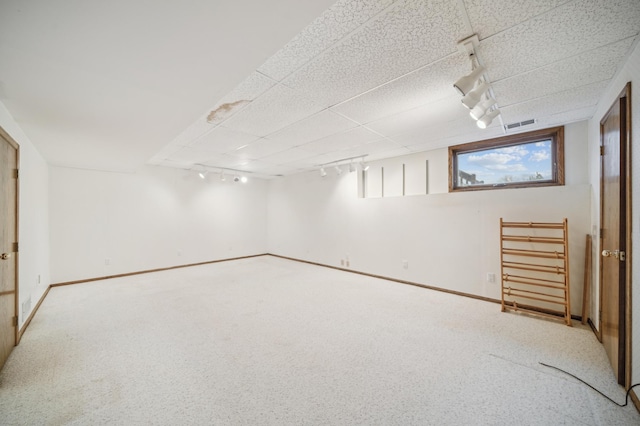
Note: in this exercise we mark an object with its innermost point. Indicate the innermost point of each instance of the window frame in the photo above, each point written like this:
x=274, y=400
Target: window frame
x=556, y=134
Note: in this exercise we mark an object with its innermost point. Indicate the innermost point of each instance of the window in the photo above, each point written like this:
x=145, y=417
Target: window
x=527, y=159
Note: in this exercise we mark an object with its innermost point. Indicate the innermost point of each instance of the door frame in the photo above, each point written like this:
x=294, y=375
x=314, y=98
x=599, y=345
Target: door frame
x=626, y=132
x=4, y=135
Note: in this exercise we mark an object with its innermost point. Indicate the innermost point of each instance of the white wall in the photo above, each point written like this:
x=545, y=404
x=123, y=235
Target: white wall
x=630, y=72
x=33, y=218
x=158, y=217
x=450, y=240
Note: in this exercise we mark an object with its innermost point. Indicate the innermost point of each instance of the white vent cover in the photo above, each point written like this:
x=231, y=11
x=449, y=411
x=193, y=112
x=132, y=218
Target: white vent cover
x=519, y=124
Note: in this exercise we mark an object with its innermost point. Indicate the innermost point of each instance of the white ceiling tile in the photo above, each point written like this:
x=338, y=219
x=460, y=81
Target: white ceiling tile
x=559, y=33
x=407, y=36
x=574, y=99
x=598, y=65
x=426, y=85
x=224, y=161
x=340, y=141
x=188, y=154
x=317, y=126
x=222, y=140
x=437, y=114
x=491, y=17
x=288, y=156
x=334, y=24
x=262, y=148
x=275, y=109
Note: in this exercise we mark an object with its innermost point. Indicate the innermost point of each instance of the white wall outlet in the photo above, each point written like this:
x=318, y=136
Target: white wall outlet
x=341, y=262
x=179, y=252
x=107, y=261
x=38, y=278
x=491, y=277
x=405, y=264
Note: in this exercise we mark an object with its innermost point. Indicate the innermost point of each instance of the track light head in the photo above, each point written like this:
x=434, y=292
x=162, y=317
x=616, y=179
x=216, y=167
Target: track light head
x=222, y=177
x=202, y=174
x=364, y=166
x=475, y=96
x=323, y=173
x=236, y=178
x=338, y=170
x=243, y=179
x=481, y=109
x=486, y=119
x=352, y=167
x=465, y=84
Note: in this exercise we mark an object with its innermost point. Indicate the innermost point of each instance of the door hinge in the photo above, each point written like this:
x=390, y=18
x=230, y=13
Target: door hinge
x=601, y=149
x=15, y=247
x=15, y=321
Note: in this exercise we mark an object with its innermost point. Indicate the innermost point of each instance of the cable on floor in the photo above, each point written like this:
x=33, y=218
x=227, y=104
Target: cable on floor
x=626, y=401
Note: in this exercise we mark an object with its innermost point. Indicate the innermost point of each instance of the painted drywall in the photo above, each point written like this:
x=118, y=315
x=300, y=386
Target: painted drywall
x=629, y=72
x=33, y=230
x=450, y=240
x=106, y=223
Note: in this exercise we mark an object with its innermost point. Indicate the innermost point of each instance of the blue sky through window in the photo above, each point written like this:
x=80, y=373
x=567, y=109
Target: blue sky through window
x=517, y=163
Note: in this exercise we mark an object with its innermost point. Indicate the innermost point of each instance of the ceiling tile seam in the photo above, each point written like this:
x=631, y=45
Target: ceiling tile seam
x=537, y=98
x=565, y=58
x=527, y=20
x=393, y=80
x=338, y=42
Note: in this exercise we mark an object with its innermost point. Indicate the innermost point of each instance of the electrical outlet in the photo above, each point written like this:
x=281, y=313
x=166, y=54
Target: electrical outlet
x=347, y=263
x=179, y=252
x=405, y=264
x=107, y=261
x=38, y=278
x=491, y=277
x=341, y=262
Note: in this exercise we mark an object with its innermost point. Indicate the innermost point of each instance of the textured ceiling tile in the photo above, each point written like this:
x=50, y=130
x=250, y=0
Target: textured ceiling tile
x=261, y=148
x=188, y=154
x=224, y=161
x=334, y=24
x=598, y=65
x=340, y=141
x=317, y=126
x=288, y=156
x=434, y=133
x=277, y=108
x=376, y=147
x=437, y=114
x=490, y=17
x=568, y=30
x=407, y=36
x=222, y=140
x=424, y=86
x=575, y=99
x=391, y=153
x=567, y=117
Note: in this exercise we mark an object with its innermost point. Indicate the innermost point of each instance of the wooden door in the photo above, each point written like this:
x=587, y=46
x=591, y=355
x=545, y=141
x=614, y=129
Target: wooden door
x=614, y=259
x=8, y=247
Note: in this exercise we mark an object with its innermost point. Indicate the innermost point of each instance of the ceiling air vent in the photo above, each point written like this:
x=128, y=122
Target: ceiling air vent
x=519, y=124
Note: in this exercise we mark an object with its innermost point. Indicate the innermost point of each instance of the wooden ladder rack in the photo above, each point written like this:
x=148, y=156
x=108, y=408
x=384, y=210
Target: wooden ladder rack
x=534, y=265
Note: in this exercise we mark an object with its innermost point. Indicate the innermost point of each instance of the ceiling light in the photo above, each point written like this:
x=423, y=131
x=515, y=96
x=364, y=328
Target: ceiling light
x=202, y=174
x=352, y=167
x=222, y=176
x=481, y=109
x=338, y=170
x=465, y=84
x=486, y=120
x=323, y=173
x=236, y=178
x=473, y=97
x=243, y=179
x=364, y=166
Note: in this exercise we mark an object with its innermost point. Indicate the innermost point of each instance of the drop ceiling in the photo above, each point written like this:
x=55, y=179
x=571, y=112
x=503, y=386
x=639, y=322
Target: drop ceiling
x=276, y=88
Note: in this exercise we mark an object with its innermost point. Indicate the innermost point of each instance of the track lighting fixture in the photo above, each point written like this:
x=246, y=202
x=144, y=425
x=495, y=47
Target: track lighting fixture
x=352, y=167
x=323, y=173
x=222, y=176
x=243, y=179
x=364, y=166
x=465, y=84
x=338, y=170
x=486, y=119
x=202, y=174
x=472, y=98
x=481, y=109
x=475, y=87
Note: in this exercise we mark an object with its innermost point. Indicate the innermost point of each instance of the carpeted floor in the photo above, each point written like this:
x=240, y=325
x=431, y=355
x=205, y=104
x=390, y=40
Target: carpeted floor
x=267, y=341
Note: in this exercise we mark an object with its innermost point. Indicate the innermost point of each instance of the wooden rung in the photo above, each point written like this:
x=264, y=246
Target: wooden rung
x=563, y=302
x=535, y=312
x=534, y=253
x=530, y=239
x=510, y=291
x=538, y=225
x=534, y=282
x=550, y=269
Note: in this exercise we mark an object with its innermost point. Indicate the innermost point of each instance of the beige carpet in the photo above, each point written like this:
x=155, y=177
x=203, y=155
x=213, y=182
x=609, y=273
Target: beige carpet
x=266, y=341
